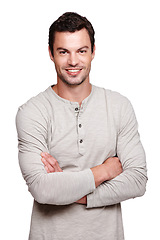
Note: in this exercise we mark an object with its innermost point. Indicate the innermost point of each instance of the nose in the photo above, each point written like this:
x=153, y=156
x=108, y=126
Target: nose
x=73, y=59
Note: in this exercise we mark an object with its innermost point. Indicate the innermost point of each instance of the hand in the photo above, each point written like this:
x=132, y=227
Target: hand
x=113, y=167
x=106, y=171
x=50, y=163
x=83, y=200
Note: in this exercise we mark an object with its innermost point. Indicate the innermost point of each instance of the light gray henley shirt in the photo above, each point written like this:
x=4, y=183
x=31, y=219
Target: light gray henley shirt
x=79, y=138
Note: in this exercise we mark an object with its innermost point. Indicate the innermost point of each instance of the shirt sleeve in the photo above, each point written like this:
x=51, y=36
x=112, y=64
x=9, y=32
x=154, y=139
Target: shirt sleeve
x=54, y=188
x=131, y=182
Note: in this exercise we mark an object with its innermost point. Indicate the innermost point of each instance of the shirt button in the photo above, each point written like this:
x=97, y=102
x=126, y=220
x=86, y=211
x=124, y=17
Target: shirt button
x=80, y=125
x=76, y=109
x=81, y=141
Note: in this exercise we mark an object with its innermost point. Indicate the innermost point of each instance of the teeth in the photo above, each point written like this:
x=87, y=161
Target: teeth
x=73, y=70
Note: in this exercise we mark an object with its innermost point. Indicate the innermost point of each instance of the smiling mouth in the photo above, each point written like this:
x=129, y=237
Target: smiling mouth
x=73, y=72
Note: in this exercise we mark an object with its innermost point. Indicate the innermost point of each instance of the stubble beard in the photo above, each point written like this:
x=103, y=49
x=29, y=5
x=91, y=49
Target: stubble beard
x=70, y=83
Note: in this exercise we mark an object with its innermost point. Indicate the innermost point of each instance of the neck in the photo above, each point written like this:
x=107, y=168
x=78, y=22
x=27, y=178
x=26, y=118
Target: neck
x=73, y=93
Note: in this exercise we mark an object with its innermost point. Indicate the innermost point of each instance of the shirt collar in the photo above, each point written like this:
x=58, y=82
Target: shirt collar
x=72, y=104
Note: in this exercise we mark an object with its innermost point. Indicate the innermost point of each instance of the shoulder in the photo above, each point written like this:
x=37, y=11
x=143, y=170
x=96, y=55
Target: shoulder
x=118, y=106
x=116, y=98
x=36, y=107
x=112, y=97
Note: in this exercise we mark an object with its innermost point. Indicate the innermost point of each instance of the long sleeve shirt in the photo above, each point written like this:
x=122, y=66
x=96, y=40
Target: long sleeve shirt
x=79, y=138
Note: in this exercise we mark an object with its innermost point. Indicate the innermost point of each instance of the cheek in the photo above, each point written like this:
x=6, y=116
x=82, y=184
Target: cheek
x=58, y=66
x=88, y=61
x=88, y=64
x=60, y=62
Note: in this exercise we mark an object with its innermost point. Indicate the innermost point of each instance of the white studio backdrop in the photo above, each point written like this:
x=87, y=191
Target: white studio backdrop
x=127, y=60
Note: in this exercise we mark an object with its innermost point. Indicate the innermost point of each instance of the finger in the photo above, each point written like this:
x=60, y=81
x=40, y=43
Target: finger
x=43, y=154
x=48, y=170
x=57, y=168
x=44, y=161
x=48, y=167
x=51, y=160
x=47, y=158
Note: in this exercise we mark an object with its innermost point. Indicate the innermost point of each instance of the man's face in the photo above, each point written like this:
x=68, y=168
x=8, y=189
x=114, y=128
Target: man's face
x=72, y=56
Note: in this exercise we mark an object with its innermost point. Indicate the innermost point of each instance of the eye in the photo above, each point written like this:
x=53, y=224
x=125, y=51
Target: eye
x=63, y=52
x=82, y=51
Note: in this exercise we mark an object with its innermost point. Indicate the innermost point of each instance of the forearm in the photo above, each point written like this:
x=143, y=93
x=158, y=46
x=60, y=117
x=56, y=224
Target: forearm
x=99, y=177
x=104, y=172
x=130, y=184
x=62, y=188
x=58, y=188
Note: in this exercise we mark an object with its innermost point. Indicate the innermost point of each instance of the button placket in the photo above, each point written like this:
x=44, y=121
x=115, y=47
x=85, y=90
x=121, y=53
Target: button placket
x=76, y=110
x=80, y=134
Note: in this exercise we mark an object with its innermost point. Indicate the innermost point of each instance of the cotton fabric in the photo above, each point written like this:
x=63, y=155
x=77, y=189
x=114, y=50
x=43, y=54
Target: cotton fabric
x=79, y=137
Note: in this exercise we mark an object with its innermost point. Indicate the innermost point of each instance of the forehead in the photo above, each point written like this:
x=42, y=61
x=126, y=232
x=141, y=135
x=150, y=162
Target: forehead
x=73, y=40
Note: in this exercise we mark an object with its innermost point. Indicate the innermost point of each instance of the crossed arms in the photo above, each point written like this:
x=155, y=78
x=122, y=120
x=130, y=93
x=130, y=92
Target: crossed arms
x=111, y=168
x=102, y=185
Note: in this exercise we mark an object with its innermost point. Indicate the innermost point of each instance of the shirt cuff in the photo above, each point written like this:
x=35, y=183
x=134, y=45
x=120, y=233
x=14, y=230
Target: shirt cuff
x=90, y=200
x=90, y=179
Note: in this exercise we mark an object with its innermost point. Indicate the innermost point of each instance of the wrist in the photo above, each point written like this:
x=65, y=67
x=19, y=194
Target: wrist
x=106, y=172
x=99, y=174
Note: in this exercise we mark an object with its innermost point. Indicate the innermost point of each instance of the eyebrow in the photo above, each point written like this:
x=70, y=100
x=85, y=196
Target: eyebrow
x=64, y=49
x=83, y=47
x=60, y=48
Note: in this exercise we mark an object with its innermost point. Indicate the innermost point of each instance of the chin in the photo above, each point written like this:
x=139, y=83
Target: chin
x=74, y=82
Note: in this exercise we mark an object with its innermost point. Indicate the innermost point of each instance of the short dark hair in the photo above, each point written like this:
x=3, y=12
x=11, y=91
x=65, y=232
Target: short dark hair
x=70, y=22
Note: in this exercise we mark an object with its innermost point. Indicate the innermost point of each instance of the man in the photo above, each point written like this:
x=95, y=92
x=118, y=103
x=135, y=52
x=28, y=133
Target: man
x=79, y=147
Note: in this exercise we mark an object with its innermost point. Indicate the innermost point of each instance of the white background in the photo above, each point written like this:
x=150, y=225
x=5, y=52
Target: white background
x=127, y=60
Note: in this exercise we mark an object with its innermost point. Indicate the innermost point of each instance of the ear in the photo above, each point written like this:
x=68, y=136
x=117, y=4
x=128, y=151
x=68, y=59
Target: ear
x=50, y=54
x=93, y=54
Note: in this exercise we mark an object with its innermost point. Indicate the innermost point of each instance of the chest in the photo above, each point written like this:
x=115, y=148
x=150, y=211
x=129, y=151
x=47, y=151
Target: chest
x=83, y=139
